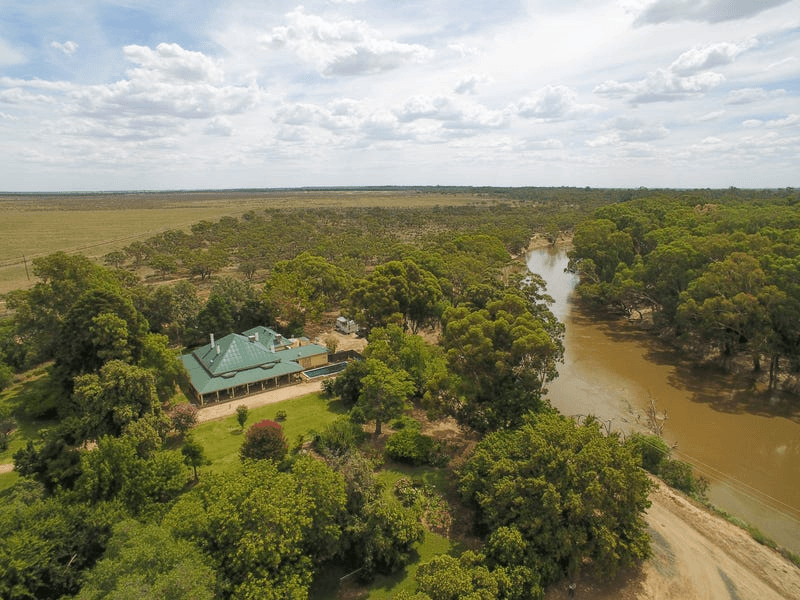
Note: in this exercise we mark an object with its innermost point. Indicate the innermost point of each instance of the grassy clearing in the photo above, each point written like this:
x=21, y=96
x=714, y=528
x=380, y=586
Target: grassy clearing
x=32, y=387
x=221, y=439
x=7, y=481
x=93, y=233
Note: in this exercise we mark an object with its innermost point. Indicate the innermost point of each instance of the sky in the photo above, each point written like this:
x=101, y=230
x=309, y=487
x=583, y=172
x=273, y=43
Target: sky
x=147, y=95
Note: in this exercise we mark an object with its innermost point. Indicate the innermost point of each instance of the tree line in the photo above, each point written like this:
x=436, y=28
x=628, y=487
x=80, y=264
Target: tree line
x=719, y=275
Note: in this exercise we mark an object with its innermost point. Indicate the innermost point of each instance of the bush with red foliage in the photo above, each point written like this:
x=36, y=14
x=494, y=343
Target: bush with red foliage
x=264, y=440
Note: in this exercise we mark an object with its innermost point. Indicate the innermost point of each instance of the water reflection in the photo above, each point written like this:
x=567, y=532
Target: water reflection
x=746, y=443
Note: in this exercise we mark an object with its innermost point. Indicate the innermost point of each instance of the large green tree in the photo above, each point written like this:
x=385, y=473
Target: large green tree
x=409, y=352
x=398, y=292
x=40, y=312
x=102, y=325
x=384, y=392
x=115, y=471
x=473, y=576
x=558, y=497
x=146, y=561
x=503, y=357
x=598, y=248
x=115, y=396
x=727, y=305
x=45, y=544
x=304, y=287
x=260, y=527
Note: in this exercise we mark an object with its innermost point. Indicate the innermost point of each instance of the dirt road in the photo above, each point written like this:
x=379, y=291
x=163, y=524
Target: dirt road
x=696, y=555
x=226, y=409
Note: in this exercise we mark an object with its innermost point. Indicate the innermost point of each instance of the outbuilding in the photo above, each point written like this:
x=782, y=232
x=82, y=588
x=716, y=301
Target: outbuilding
x=345, y=325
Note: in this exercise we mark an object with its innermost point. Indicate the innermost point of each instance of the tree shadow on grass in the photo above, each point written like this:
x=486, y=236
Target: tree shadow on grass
x=627, y=585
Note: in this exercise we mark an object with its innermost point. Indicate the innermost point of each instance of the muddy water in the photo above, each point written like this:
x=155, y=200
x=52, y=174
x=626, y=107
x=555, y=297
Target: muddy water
x=745, y=441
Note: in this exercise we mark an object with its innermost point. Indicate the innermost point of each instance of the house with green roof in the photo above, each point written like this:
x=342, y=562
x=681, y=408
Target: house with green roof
x=244, y=363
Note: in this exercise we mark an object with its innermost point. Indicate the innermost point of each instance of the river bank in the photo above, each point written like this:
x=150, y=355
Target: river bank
x=748, y=450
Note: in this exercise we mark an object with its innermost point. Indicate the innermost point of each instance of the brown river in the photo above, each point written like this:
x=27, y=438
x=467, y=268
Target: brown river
x=742, y=439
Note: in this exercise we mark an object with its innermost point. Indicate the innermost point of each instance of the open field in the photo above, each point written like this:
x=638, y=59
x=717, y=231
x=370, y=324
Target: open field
x=95, y=224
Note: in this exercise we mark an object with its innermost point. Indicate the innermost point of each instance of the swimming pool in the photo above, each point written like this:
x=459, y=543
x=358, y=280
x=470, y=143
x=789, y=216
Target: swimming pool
x=326, y=370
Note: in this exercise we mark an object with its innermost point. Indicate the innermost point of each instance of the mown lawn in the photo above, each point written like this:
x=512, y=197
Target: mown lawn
x=7, y=481
x=33, y=388
x=222, y=439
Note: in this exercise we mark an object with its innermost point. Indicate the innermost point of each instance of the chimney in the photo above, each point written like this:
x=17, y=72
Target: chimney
x=256, y=336
x=212, y=340
x=218, y=350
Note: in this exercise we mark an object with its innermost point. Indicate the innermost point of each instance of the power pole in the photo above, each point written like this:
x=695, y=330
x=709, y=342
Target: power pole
x=25, y=262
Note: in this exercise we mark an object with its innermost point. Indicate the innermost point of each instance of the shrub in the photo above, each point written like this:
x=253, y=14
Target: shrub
x=183, y=417
x=328, y=388
x=241, y=415
x=280, y=415
x=339, y=437
x=357, y=415
x=651, y=448
x=411, y=447
x=406, y=422
x=678, y=474
x=264, y=440
x=7, y=425
x=6, y=376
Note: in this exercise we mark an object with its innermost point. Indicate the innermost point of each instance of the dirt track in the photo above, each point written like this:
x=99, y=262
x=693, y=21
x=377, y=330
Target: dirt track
x=696, y=555
x=226, y=409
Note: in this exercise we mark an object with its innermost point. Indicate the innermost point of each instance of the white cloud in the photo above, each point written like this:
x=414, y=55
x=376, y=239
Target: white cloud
x=170, y=62
x=10, y=56
x=711, y=116
x=789, y=61
x=219, y=126
x=69, y=47
x=787, y=121
x=341, y=47
x=451, y=113
x=538, y=145
x=168, y=81
x=750, y=95
x=686, y=76
x=625, y=130
x=339, y=115
x=707, y=57
x=470, y=83
x=553, y=102
x=708, y=11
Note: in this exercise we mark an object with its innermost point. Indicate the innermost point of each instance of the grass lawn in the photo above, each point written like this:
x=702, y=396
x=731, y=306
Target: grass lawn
x=7, y=481
x=221, y=439
x=33, y=387
x=384, y=588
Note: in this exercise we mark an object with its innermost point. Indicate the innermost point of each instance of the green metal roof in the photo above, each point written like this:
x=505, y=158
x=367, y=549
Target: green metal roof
x=239, y=359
